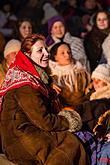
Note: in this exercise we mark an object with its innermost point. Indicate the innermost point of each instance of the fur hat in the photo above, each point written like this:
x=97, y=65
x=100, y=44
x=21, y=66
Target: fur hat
x=102, y=72
x=12, y=46
x=74, y=119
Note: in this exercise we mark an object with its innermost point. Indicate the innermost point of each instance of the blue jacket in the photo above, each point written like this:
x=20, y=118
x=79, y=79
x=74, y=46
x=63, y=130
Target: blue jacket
x=103, y=157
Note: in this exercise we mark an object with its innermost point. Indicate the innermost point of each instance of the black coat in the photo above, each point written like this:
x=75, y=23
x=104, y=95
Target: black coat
x=91, y=110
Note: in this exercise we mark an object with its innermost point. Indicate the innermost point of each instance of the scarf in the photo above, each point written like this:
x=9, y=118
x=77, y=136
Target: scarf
x=103, y=93
x=74, y=76
x=23, y=72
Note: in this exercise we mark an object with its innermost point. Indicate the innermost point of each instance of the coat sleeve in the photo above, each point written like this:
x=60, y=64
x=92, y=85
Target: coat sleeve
x=90, y=111
x=35, y=108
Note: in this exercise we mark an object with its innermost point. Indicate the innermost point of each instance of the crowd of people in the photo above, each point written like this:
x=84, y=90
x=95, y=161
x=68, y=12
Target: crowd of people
x=55, y=82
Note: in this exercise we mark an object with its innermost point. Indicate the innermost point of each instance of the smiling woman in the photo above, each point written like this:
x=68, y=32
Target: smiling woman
x=30, y=118
x=40, y=54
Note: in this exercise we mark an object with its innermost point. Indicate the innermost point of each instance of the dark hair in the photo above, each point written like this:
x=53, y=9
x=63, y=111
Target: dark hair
x=53, y=50
x=28, y=42
x=101, y=11
x=16, y=33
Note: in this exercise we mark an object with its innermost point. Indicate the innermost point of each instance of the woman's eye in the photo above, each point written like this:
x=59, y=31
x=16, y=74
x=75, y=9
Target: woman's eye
x=46, y=49
x=40, y=50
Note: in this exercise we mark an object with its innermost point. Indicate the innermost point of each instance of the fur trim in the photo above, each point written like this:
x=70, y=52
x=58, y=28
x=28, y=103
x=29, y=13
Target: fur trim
x=73, y=118
x=73, y=76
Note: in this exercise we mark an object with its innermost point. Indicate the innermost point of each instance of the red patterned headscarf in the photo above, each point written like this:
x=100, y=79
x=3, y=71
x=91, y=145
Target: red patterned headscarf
x=20, y=73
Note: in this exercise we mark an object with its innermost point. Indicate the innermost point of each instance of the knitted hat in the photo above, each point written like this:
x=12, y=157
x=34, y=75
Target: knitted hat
x=12, y=46
x=51, y=21
x=54, y=19
x=102, y=72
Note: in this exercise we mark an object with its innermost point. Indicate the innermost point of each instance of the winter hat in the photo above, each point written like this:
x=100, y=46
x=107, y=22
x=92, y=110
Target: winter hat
x=102, y=72
x=54, y=19
x=12, y=46
x=51, y=21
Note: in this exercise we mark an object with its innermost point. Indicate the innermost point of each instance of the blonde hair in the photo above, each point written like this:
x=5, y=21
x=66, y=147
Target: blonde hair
x=103, y=125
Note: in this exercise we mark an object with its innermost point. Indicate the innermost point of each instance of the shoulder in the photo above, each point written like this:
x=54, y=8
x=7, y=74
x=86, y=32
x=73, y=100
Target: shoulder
x=105, y=149
x=68, y=37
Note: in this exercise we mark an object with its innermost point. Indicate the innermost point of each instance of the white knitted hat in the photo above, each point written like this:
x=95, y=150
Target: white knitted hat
x=102, y=72
x=12, y=46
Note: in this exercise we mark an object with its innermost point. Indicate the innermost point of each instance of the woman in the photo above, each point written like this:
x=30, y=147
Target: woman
x=10, y=50
x=57, y=32
x=23, y=28
x=94, y=39
x=69, y=75
x=99, y=99
x=32, y=130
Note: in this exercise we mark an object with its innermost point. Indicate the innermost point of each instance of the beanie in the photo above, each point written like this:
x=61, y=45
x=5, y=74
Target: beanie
x=51, y=21
x=102, y=72
x=54, y=19
x=12, y=46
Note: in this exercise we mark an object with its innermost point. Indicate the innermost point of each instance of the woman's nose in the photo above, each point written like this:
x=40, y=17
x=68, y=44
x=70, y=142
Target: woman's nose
x=46, y=52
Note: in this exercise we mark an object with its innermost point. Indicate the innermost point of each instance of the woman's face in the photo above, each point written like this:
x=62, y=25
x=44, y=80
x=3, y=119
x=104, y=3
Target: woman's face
x=25, y=29
x=98, y=84
x=58, y=29
x=102, y=21
x=39, y=54
x=63, y=55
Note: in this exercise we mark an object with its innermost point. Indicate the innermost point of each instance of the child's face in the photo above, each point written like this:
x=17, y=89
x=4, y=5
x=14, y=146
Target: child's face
x=63, y=55
x=98, y=84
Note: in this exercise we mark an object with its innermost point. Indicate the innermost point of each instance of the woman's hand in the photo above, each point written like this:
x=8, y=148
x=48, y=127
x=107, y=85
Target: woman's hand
x=57, y=89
